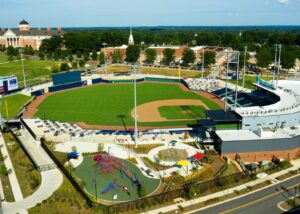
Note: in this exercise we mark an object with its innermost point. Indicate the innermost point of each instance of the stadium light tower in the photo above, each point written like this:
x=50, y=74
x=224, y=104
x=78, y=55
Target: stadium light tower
x=278, y=64
x=202, y=61
x=233, y=57
x=104, y=45
x=135, y=111
x=21, y=51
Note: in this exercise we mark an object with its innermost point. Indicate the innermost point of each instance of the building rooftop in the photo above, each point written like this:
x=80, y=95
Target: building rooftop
x=198, y=48
x=242, y=135
x=23, y=22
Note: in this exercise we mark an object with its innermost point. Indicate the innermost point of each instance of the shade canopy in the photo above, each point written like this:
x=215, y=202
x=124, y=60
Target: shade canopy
x=198, y=156
x=183, y=162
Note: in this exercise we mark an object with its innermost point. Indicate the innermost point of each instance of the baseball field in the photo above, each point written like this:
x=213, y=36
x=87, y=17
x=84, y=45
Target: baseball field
x=159, y=104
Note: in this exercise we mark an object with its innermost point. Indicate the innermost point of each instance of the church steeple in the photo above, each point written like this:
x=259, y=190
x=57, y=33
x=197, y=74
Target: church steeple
x=130, y=40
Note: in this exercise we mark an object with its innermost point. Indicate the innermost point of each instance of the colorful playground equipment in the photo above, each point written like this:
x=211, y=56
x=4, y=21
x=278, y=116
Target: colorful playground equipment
x=73, y=155
x=111, y=185
x=109, y=164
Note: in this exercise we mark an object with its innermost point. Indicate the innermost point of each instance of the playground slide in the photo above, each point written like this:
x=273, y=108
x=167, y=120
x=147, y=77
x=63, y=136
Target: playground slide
x=108, y=187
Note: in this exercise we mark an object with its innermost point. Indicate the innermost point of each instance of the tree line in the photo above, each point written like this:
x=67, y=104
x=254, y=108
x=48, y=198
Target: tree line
x=85, y=44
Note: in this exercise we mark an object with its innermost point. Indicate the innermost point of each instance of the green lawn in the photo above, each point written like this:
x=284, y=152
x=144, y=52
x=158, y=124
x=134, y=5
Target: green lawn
x=33, y=69
x=111, y=104
x=87, y=171
x=3, y=57
x=14, y=104
x=182, y=112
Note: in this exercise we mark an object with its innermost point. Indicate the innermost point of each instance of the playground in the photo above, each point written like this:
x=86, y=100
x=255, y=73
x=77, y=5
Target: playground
x=112, y=179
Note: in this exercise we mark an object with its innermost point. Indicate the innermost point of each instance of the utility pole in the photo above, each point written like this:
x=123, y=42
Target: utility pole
x=105, y=71
x=244, y=73
x=21, y=51
x=135, y=112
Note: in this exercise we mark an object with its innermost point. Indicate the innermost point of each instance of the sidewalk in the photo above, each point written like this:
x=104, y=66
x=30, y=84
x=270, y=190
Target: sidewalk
x=295, y=163
x=11, y=173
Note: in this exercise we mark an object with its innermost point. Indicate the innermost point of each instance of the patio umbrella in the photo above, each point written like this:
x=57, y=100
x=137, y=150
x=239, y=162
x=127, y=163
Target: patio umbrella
x=198, y=156
x=183, y=162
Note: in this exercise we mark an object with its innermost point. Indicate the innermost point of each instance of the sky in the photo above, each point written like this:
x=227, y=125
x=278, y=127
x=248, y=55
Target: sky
x=114, y=13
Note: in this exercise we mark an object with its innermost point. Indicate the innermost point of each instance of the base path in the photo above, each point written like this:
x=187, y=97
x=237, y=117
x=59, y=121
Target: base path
x=148, y=112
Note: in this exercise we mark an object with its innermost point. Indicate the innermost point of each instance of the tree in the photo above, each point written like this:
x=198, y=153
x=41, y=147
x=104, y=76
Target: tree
x=55, y=69
x=150, y=55
x=169, y=56
x=41, y=55
x=94, y=55
x=264, y=57
x=288, y=57
x=49, y=56
x=64, y=67
x=57, y=54
x=209, y=57
x=10, y=51
x=86, y=55
x=70, y=58
x=101, y=58
x=74, y=65
x=117, y=56
x=81, y=63
x=188, y=56
x=241, y=59
x=78, y=54
x=132, y=53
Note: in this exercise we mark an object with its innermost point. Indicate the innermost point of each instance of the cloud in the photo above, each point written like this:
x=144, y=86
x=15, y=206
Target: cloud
x=284, y=1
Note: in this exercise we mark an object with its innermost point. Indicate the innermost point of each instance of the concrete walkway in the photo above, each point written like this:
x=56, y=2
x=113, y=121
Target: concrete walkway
x=296, y=165
x=51, y=181
x=35, y=151
x=11, y=174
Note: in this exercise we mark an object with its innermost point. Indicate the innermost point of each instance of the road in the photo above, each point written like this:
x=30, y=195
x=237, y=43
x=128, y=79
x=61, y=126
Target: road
x=262, y=202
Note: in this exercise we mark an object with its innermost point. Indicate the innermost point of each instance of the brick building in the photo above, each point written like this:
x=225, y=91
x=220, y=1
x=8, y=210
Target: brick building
x=25, y=36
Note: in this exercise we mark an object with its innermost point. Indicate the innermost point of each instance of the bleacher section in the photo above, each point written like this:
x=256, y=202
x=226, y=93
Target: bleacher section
x=255, y=98
x=202, y=84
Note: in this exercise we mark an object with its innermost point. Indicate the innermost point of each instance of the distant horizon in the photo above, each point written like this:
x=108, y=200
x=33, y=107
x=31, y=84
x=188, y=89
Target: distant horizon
x=167, y=26
x=119, y=13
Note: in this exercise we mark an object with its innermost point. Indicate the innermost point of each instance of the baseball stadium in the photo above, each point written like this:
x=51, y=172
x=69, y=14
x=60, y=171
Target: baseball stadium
x=97, y=123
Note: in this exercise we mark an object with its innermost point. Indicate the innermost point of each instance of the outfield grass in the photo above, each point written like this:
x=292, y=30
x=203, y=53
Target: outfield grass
x=182, y=112
x=33, y=69
x=111, y=104
x=87, y=170
x=14, y=105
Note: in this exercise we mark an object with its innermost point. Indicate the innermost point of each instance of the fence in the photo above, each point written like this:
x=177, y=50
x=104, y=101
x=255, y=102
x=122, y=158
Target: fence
x=149, y=200
x=66, y=86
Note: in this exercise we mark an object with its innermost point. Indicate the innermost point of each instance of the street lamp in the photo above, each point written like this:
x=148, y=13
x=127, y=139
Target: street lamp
x=95, y=185
x=105, y=71
x=21, y=51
